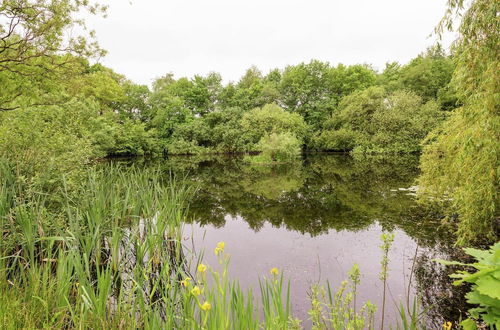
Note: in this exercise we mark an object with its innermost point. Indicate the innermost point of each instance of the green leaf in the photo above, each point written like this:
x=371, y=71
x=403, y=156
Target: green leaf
x=480, y=255
x=468, y=324
x=489, y=286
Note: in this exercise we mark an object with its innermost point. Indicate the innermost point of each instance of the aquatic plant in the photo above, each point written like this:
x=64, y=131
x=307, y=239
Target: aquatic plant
x=387, y=239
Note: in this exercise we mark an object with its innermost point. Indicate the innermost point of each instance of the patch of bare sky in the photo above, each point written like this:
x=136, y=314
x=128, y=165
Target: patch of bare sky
x=146, y=39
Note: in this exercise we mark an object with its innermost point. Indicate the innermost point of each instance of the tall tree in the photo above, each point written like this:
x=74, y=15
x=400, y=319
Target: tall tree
x=460, y=162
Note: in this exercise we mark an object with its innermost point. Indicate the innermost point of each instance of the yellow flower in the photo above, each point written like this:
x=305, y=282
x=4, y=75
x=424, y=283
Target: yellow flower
x=219, y=248
x=206, y=306
x=196, y=291
x=447, y=325
x=274, y=271
x=185, y=282
x=202, y=268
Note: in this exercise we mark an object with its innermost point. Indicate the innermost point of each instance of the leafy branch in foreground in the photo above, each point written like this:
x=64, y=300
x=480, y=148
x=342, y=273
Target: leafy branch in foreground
x=485, y=290
x=35, y=48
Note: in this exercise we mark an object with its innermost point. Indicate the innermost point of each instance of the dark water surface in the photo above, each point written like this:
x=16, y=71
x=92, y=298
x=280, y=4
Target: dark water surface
x=313, y=219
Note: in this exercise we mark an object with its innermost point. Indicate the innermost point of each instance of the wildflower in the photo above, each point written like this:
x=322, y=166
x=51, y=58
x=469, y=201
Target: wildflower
x=219, y=248
x=447, y=325
x=206, y=306
x=274, y=271
x=202, y=268
x=185, y=282
x=196, y=291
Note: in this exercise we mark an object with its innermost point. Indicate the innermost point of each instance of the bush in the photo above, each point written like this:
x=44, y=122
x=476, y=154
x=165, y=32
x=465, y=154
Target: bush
x=129, y=138
x=339, y=140
x=279, y=147
x=185, y=147
x=43, y=144
x=272, y=119
x=373, y=122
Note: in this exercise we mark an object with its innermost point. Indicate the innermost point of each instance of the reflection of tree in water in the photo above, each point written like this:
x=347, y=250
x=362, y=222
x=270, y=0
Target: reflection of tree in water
x=272, y=182
x=320, y=193
x=441, y=300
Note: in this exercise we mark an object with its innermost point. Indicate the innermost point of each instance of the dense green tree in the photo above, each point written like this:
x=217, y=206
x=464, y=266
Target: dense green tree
x=36, y=53
x=314, y=90
x=101, y=84
x=390, y=78
x=226, y=132
x=200, y=94
x=372, y=121
x=273, y=119
x=306, y=89
x=135, y=101
x=234, y=130
x=252, y=90
x=427, y=75
x=460, y=161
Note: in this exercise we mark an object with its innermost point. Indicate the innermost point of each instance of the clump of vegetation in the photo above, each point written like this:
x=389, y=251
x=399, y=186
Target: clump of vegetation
x=460, y=158
x=337, y=310
x=278, y=147
x=271, y=118
x=371, y=121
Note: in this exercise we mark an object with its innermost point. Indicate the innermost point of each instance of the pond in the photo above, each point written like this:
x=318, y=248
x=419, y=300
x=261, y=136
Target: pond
x=314, y=219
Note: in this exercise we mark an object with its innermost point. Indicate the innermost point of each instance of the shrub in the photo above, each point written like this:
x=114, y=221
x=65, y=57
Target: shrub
x=373, y=122
x=339, y=140
x=185, y=147
x=43, y=144
x=279, y=147
x=129, y=138
x=272, y=119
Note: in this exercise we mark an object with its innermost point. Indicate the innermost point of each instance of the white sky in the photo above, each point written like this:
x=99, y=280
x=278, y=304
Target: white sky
x=147, y=39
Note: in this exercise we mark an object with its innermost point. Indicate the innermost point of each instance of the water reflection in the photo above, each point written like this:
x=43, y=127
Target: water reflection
x=316, y=217
x=312, y=196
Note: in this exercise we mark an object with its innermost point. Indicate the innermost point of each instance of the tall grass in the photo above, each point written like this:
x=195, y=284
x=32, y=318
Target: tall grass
x=111, y=257
x=117, y=259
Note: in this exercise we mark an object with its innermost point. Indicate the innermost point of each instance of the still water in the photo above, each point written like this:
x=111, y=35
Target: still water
x=314, y=219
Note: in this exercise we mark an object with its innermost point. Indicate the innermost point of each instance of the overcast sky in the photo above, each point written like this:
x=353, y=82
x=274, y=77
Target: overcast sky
x=146, y=39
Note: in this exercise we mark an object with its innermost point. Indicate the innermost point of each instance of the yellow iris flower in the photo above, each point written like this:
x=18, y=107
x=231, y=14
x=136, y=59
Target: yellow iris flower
x=206, y=306
x=196, y=291
x=219, y=248
x=202, y=268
